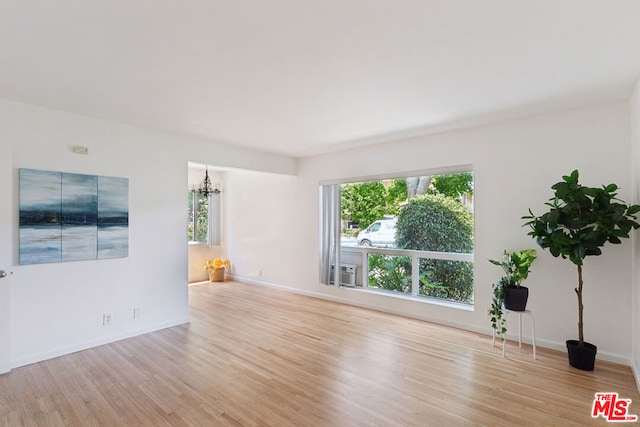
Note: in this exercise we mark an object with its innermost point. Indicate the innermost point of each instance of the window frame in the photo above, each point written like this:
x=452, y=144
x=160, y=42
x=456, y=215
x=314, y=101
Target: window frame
x=334, y=254
x=195, y=205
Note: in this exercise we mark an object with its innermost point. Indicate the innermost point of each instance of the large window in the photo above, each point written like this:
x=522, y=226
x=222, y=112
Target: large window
x=409, y=236
x=198, y=226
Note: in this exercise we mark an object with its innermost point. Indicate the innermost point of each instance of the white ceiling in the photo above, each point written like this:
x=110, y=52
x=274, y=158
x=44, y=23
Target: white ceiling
x=302, y=77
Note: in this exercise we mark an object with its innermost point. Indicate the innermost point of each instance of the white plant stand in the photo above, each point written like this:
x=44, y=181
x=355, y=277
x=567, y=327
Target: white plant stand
x=533, y=330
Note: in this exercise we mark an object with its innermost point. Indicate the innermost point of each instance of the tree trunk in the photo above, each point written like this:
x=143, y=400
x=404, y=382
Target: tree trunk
x=580, y=309
x=417, y=185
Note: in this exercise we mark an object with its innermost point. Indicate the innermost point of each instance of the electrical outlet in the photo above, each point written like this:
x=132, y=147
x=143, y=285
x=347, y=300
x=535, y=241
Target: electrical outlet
x=136, y=313
x=107, y=319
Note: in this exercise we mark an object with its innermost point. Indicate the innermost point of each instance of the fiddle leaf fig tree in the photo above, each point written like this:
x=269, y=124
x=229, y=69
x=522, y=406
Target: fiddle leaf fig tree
x=579, y=222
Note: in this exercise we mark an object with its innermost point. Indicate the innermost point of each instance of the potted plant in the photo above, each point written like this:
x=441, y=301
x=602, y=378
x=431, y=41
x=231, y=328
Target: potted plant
x=216, y=269
x=580, y=220
x=508, y=292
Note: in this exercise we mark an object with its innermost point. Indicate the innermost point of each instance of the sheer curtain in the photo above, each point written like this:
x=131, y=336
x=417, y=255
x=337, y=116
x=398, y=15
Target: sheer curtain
x=329, y=232
x=214, y=220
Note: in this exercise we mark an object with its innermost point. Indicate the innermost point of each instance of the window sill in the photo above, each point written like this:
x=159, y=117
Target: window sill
x=424, y=300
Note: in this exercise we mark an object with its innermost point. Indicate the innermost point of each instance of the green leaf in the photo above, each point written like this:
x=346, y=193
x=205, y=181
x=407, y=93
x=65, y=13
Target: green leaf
x=573, y=178
x=633, y=209
x=582, y=219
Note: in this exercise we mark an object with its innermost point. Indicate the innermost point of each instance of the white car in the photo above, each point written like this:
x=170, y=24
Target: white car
x=381, y=233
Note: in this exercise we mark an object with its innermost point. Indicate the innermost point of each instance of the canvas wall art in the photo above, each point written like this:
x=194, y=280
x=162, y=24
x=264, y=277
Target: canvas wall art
x=72, y=217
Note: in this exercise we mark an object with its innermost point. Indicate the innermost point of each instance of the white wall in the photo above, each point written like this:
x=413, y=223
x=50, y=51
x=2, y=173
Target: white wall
x=58, y=308
x=261, y=236
x=635, y=167
x=515, y=163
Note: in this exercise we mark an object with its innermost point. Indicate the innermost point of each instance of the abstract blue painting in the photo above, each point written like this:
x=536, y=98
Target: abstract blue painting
x=113, y=217
x=79, y=207
x=72, y=217
x=40, y=216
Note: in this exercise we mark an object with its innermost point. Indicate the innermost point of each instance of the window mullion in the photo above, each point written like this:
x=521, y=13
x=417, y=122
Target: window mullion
x=365, y=269
x=415, y=275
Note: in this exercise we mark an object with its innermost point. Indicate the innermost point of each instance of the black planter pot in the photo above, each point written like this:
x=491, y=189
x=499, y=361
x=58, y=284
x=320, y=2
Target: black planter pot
x=582, y=358
x=516, y=298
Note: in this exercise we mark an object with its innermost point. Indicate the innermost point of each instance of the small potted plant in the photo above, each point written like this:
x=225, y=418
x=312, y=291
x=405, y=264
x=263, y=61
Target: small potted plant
x=580, y=220
x=216, y=269
x=508, y=292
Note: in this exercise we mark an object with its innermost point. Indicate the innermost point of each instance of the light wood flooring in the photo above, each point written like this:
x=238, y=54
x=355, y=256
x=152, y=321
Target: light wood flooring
x=256, y=356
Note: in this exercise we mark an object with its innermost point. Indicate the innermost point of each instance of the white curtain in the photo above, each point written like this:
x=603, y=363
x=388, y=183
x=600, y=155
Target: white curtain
x=329, y=232
x=214, y=220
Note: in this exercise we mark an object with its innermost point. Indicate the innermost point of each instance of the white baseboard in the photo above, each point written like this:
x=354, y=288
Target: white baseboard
x=636, y=374
x=39, y=357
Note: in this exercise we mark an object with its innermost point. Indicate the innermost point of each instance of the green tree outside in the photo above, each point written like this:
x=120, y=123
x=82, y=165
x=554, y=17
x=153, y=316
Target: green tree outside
x=197, y=227
x=364, y=202
x=453, y=185
x=435, y=222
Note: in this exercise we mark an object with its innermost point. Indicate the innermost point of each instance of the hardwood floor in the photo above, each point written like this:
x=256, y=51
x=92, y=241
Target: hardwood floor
x=255, y=356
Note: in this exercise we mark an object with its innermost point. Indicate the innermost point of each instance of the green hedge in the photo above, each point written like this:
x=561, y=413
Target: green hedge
x=434, y=222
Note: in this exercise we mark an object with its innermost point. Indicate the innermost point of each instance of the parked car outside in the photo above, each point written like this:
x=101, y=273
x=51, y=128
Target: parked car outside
x=381, y=233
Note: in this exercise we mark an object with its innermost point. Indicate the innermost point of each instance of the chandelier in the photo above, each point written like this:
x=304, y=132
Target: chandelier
x=206, y=189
